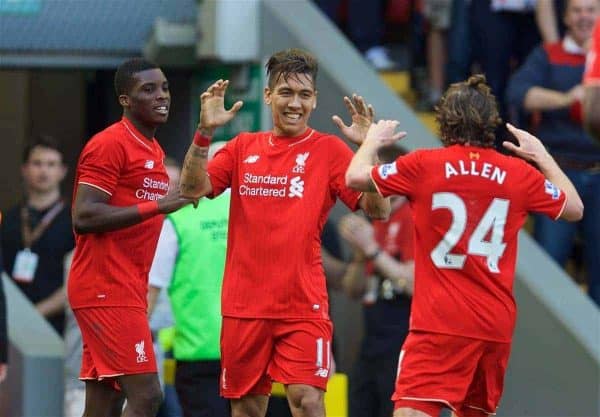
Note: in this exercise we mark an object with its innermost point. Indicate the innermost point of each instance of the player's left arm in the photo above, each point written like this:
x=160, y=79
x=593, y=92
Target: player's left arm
x=591, y=110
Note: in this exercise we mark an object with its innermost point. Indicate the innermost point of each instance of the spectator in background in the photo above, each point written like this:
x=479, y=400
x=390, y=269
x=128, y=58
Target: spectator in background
x=503, y=33
x=438, y=14
x=459, y=42
x=38, y=234
x=549, y=83
x=365, y=28
x=189, y=264
x=3, y=332
x=381, y=277
x=591, y=114
x=548, y=16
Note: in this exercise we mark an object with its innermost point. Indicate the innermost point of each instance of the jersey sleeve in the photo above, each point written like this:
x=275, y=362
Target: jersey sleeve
x=341, y=156
x=592, y=64
x=542, y=195
x=100, y=164
x=220, y=168
x=398, y=177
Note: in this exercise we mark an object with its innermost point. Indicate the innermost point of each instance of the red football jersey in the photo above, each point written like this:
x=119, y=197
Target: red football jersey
x=281, y=192
x=468, y=205
x=111, y=268
x=592, y=65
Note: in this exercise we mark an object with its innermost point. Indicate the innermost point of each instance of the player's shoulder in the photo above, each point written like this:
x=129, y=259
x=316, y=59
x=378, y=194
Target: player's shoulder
x=327, y=139
x=112, y=133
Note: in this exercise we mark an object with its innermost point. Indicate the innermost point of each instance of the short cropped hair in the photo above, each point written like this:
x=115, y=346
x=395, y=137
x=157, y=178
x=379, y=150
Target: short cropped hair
x=291, y=62
x=468, y=113
x=42, y=141
x=127, y=70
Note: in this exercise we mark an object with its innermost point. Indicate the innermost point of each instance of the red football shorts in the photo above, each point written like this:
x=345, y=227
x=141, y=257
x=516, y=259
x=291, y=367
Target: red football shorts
x=462, y=373
x=116, y=341
x=255, y=352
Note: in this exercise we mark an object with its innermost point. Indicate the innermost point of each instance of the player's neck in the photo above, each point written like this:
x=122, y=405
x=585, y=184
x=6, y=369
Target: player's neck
x=147, y=131
x=42, y=200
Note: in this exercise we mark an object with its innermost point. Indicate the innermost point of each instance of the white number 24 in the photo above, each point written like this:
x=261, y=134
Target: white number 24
x=494, y=219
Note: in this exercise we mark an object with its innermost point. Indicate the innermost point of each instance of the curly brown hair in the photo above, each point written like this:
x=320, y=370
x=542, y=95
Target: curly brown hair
x=290, y=63
x=468, y=114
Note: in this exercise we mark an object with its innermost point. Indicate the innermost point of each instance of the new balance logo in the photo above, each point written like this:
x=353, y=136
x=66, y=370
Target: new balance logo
x=141, y=355
x=149, y=164
x=296, y=187
x=322, y=372
x=251, y=159
x=300, y=162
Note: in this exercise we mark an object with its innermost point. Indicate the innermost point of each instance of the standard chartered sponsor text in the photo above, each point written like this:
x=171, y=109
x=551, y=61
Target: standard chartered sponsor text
x=148, y=191
x=264, y=185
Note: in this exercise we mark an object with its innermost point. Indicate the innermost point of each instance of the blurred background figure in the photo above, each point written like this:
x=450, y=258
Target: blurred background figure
x=37, y=232
x=548, y=87
x=365, y=28
x=503, y=33
x=189, y=264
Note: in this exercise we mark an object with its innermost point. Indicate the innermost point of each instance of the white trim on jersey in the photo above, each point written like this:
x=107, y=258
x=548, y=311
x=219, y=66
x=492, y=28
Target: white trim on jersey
x=95, y=186
x=480, y=409
x=135, y=137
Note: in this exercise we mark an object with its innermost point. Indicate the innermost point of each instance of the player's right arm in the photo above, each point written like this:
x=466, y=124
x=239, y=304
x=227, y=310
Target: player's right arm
x=93, y=214
x=358, y=175
x=531, y=149
x=194, y=182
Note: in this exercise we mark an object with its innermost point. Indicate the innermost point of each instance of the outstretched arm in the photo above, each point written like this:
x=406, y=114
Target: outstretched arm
x=194, y=182
x=531, y=149
x=93, y=214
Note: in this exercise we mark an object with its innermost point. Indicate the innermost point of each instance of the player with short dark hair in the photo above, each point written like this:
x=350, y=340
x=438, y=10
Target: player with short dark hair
x=118, y=206
x=469, y=202
x=283, y=183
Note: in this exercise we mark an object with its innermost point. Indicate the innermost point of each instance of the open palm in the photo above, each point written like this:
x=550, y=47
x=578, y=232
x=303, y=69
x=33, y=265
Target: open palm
x=212, y=106
x=362, y=117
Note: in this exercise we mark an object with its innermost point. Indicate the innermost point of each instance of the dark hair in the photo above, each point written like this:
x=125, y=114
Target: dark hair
x=291, y=62
x=42, y=141
x=126, y=71
x=468, y=114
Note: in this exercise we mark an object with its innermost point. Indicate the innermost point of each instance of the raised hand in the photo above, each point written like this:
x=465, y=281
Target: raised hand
x=383, y=133
x=530, y=148
x=362, y=115
x=212, y=106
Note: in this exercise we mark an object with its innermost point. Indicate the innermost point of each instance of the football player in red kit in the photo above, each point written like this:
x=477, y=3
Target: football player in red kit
x=283, y=184
x=469, y=202
x=120, y=198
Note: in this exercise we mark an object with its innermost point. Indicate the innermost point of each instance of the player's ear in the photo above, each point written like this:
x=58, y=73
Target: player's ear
x=267, y=96
x=124, y=100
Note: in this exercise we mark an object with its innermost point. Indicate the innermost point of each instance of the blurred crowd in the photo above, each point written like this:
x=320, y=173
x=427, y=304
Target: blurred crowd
x=533, y=55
